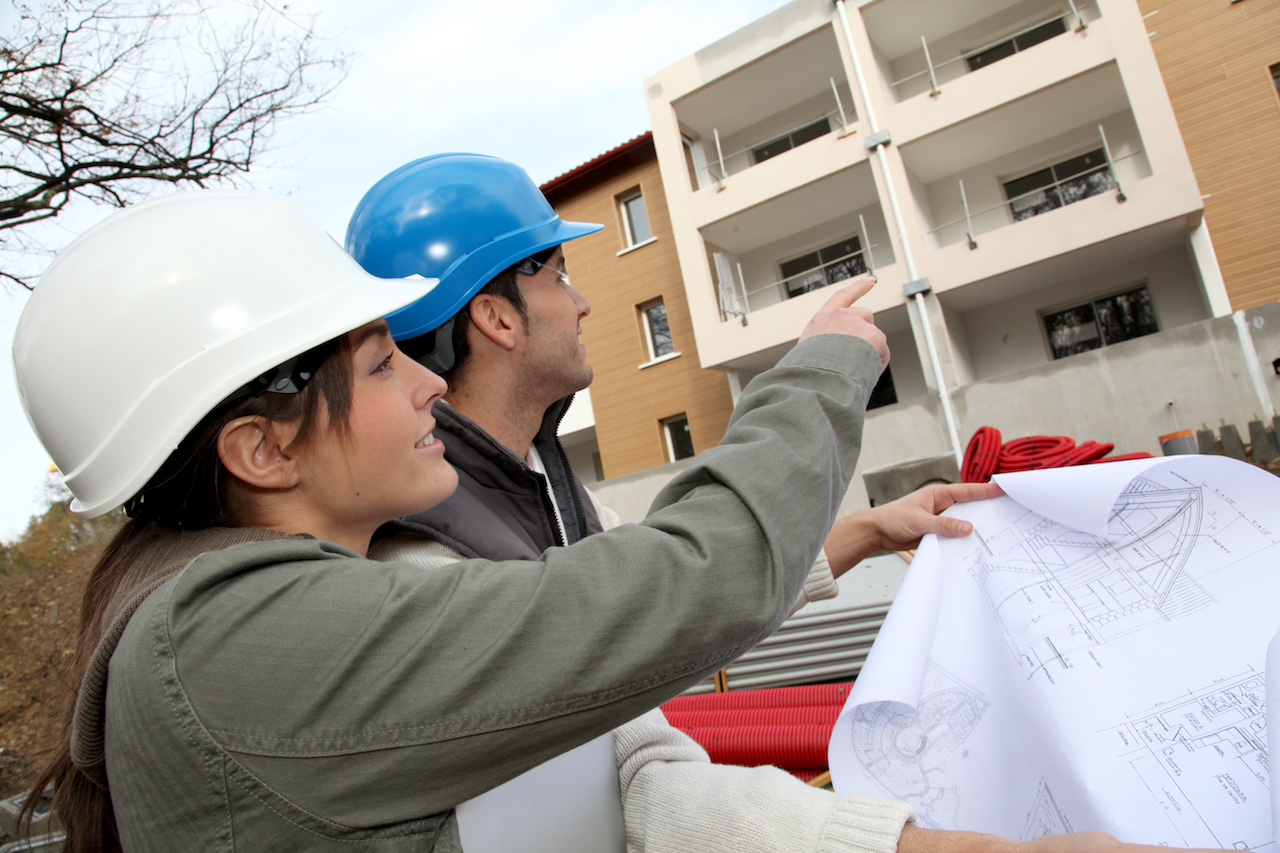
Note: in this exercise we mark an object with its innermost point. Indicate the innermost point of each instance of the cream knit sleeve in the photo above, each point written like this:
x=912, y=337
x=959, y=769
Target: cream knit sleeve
x=674, y=800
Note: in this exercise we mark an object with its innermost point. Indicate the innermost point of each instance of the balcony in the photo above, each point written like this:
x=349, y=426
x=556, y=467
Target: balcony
x=765, y=109
x=921, y=45
x=798, y=242
x=1029, y=158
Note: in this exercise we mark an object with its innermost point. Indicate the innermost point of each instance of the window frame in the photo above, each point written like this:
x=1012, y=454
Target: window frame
x=667, y=424
x=1056, y=184
x=1091, y=304
x=646, y=323
x=1012, y=43
x=790, y=138
x=856, y=259
x=628, y=224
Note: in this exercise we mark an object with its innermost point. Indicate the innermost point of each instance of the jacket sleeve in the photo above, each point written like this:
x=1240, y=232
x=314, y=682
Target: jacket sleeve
x=410, y=690
x=675, y=799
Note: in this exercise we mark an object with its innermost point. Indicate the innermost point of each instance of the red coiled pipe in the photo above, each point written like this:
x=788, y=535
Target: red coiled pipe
x=985, y=455
x=771, y=697
x=792, y=715
x=788, y=747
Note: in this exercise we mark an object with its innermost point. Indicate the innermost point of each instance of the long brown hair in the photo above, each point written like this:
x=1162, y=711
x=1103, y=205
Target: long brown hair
x=187, y=493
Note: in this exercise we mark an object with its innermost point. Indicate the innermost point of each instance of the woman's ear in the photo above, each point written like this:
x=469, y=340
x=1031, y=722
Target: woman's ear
x=252, y=449
x=495, y=318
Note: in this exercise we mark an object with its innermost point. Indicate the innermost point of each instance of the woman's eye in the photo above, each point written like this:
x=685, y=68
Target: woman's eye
x=384, y=365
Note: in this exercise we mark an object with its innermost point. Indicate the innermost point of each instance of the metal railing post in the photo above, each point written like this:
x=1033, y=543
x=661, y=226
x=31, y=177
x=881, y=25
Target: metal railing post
x=746, y=302
x=866, y=245
x=929, y=61
x=968, y=221
x=719, y=156
x=844, y=123
x=1111, y=165
x=1080, y=24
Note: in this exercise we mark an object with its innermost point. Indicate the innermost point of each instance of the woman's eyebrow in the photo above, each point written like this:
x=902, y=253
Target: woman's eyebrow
x=377, y=329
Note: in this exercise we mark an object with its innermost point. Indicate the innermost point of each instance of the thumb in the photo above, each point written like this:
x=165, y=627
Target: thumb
x=952, y=527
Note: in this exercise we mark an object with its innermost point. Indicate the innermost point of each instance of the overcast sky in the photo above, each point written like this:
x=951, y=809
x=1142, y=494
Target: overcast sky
x=549, y=84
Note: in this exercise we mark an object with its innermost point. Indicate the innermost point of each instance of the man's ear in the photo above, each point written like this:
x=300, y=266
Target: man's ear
x=252, y=449
x=496, y=319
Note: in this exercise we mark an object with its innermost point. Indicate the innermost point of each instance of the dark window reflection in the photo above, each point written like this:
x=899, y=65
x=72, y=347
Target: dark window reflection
x=836, y=262
x=1110, y=320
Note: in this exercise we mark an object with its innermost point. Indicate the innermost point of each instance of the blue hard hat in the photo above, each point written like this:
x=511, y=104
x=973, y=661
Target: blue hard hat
x=461, y=218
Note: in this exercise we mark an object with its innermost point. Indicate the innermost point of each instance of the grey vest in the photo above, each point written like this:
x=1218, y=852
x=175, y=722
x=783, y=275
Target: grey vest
x=501, y=510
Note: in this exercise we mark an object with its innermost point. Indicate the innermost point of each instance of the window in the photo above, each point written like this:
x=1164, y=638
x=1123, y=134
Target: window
x=1095, y=324
x=657, y=329
x=679, y=439
x=1005, y=49
x=826, y=266
x=635, y=221
x=884, y=394
x=1062, y=183
x=795, y=138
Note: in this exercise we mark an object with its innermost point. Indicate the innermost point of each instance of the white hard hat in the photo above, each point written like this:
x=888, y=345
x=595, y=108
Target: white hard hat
x=149, y=319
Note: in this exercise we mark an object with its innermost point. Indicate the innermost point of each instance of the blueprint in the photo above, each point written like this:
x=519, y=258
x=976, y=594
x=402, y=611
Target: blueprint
x=1092, y=657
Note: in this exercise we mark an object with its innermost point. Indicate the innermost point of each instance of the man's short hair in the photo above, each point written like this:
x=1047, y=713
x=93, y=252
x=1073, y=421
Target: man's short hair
x=503, y=284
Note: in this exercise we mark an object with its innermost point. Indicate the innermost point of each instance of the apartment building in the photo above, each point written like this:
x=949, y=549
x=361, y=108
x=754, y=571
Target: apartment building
x=1013, y=173
x=652, y=402
x=1221, y=66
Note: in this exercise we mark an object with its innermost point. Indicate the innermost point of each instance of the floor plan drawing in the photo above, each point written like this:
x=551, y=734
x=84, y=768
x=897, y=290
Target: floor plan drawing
x=905, y=753
x=1091, y=657
x=1207, y=748
x=1056, y=590
x=1045, y=818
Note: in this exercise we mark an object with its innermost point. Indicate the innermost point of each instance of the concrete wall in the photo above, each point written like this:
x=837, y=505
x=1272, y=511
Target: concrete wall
x=1010, y=334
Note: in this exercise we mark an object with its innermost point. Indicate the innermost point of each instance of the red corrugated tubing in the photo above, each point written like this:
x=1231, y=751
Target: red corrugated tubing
x=770, y=697
x=985, y=456
x=980, y=456
x=788, y=747
x=1032, y=452
x=789, y=716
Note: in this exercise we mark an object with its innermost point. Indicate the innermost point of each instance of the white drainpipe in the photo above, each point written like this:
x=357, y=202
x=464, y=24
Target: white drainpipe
x=944, y=394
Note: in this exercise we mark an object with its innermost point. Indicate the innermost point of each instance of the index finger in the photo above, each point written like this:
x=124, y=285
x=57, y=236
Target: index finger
x=846, y=296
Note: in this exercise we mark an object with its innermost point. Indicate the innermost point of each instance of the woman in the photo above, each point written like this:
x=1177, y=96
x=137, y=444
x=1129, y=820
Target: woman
x=248, y=680
x=268, y=687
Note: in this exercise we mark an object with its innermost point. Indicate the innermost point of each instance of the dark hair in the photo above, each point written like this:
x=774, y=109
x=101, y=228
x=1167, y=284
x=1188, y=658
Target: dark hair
x=187, y=493
x=503, y=284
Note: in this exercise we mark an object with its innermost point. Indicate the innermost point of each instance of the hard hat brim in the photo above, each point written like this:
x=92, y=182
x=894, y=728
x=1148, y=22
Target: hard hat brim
x=479, y=267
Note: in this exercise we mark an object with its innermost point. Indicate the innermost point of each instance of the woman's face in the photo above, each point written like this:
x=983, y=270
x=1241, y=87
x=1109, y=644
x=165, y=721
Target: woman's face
x=388, y=463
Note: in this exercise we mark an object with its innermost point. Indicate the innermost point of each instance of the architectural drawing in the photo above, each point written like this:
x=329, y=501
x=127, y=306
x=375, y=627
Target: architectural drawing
x=1056, y=590
x=906, y=753
x=1203, y=757
x=1045, y=818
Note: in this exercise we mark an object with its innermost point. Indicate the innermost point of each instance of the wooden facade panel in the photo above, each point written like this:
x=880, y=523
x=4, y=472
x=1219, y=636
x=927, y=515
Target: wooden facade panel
x=1215, y=59
x=630, y=403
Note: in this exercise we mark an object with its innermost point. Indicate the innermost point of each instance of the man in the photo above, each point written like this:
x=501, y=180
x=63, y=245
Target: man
x=502, y=326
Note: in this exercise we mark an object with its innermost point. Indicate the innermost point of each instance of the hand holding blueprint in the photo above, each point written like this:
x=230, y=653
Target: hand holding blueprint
x=1092, y=657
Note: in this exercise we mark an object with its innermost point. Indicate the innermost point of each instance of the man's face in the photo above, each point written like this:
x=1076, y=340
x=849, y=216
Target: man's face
x=554, y=362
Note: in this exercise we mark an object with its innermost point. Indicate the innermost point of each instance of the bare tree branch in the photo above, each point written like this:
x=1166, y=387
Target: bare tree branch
x=105, y=99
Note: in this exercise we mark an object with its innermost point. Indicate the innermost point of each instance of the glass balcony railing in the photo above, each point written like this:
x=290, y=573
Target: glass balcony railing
x=1043, y=190
x=802, y=275
x=721, y=164
x=1041, y=30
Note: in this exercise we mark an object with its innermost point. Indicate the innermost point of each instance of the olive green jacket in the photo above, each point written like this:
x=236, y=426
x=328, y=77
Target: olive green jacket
x=292, y=695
